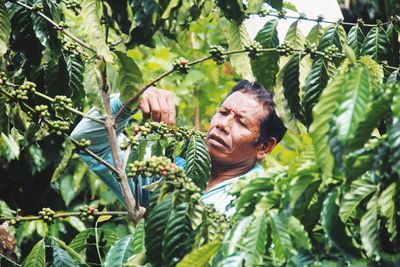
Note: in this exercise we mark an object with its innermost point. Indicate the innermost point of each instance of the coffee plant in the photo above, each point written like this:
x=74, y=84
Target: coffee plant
x=329, y=195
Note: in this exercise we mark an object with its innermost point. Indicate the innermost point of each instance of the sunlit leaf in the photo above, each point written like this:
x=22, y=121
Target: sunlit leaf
x=37, y=256
x=356, y=39
x=369, y=227
x=376, y=45
x=198, y=162
x=200, y=256
x=387, y=208
x=5, y=29
x=119, y=252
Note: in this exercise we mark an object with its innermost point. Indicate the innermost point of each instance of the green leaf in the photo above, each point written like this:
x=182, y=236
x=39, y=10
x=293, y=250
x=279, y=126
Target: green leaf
x=280, y=235
x=157, y=149
x=387, y=207
x=291, y=85
x=138, y=238
x=129, y=77
x=377, y=45
x=354, y=103
x=266, y=67
x=333, y=227
x=119, y=252
x=295, y=36
x=356, y=39
x=314, y=35
x=70, y=251
x=91, y=84
x=76, y=70
x=256, y=239
x=330, y=37
x=198, y=162
x=80, y=241
x=232, y=9
x=369, y=228
x=156, y=220
x=359, y=190
x=200, y=256
x=68, y=152
x=5, y=28
x=394, y=142
x=375, y=111
x=91, y=14
x=57, y=78
x=393, y=77
x=176, y=236
x=238, y=38
x=393, y=36
x=37, y=256
x=61, y=258
x=316, y=81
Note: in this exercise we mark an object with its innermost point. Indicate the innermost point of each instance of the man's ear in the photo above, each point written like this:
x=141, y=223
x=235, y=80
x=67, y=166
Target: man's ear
x=266, y=148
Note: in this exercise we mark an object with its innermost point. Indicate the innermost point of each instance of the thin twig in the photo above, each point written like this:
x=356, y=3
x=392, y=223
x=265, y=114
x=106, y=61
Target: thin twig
x=65, y=215
x=9, y=260
x=58, y=27
x=64, y=105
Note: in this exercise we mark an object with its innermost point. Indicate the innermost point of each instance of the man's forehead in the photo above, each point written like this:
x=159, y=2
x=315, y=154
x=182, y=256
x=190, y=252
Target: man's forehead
x=242, y=102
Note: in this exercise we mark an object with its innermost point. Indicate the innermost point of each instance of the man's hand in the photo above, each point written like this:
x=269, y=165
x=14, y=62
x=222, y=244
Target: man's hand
x=159, y=104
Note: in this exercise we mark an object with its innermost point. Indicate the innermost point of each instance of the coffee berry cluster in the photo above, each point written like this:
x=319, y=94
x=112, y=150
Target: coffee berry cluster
x=164, y=131
x=37, y=7
x=47, y=215
x=59, y=126
x=154, y=167
x=285, y=49
x=87, y=213
x=61, y=101
x=264, y=11
x=74, y=51
x=215, y=216
x=181, y=65
x=310, y=48
x=332, y=52
x=84, y=142
x=253, y=50
x=217, y=54
x=22, y=92
x=42, y=111
x=132, y=141
x=74, y=5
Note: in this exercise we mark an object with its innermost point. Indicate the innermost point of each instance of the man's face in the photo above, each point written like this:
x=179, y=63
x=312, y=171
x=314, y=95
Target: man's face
x=234, y=129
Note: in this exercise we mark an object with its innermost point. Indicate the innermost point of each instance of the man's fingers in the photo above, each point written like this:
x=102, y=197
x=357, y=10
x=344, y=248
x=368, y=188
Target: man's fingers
x=155, y=108
x=171, y=111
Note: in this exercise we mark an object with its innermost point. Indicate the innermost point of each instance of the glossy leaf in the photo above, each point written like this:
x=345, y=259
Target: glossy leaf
x=266, y=67
x=61, y=258
x=330, y=37
x=119, y=252
x=5, y=29
x=360, y=189
x=76, y=69
x=37, y=256
x=256, y=239
x=369, y=228
x=316, y=81
x=176, y=236
x=80, y=241
x=356, y=39
x=353, y=104
x=295, y=36
x=387, y=207
x=376, y=45
x=280, y=235
x=129, y=76
x=200, y=256
x=238, y=38
x=75, y=255
x=198, y=162
x=334, y=229
x=314, y=34
x=68, y=152
x=138, y=238
x=91, y=13
x=156, y=221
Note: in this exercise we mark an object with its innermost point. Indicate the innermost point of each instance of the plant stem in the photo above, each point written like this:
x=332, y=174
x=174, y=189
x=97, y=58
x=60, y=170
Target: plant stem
x=7, y=259
x=58, y=27
x=112, y=139
x=48, y=98
x=65, y=215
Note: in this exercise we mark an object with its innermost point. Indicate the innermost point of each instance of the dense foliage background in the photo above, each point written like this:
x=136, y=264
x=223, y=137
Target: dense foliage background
x=330, y=192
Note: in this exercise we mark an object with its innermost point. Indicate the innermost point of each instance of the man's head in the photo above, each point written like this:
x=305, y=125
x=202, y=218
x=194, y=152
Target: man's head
x=246, y=127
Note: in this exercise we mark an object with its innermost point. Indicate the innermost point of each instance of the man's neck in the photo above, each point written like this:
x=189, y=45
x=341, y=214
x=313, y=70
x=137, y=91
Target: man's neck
x=224, y=172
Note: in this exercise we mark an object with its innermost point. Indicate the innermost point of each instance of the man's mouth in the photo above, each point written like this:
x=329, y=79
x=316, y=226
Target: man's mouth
x=217, y=141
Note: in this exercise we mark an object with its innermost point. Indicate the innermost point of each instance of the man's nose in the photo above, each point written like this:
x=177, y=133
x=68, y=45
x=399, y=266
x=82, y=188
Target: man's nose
x=225, y=124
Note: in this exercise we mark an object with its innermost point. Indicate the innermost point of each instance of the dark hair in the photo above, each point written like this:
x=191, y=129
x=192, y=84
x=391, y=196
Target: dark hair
x=270, y=125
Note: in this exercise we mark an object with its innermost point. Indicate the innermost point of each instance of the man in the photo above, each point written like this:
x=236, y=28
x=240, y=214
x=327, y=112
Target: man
x=244, y=130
